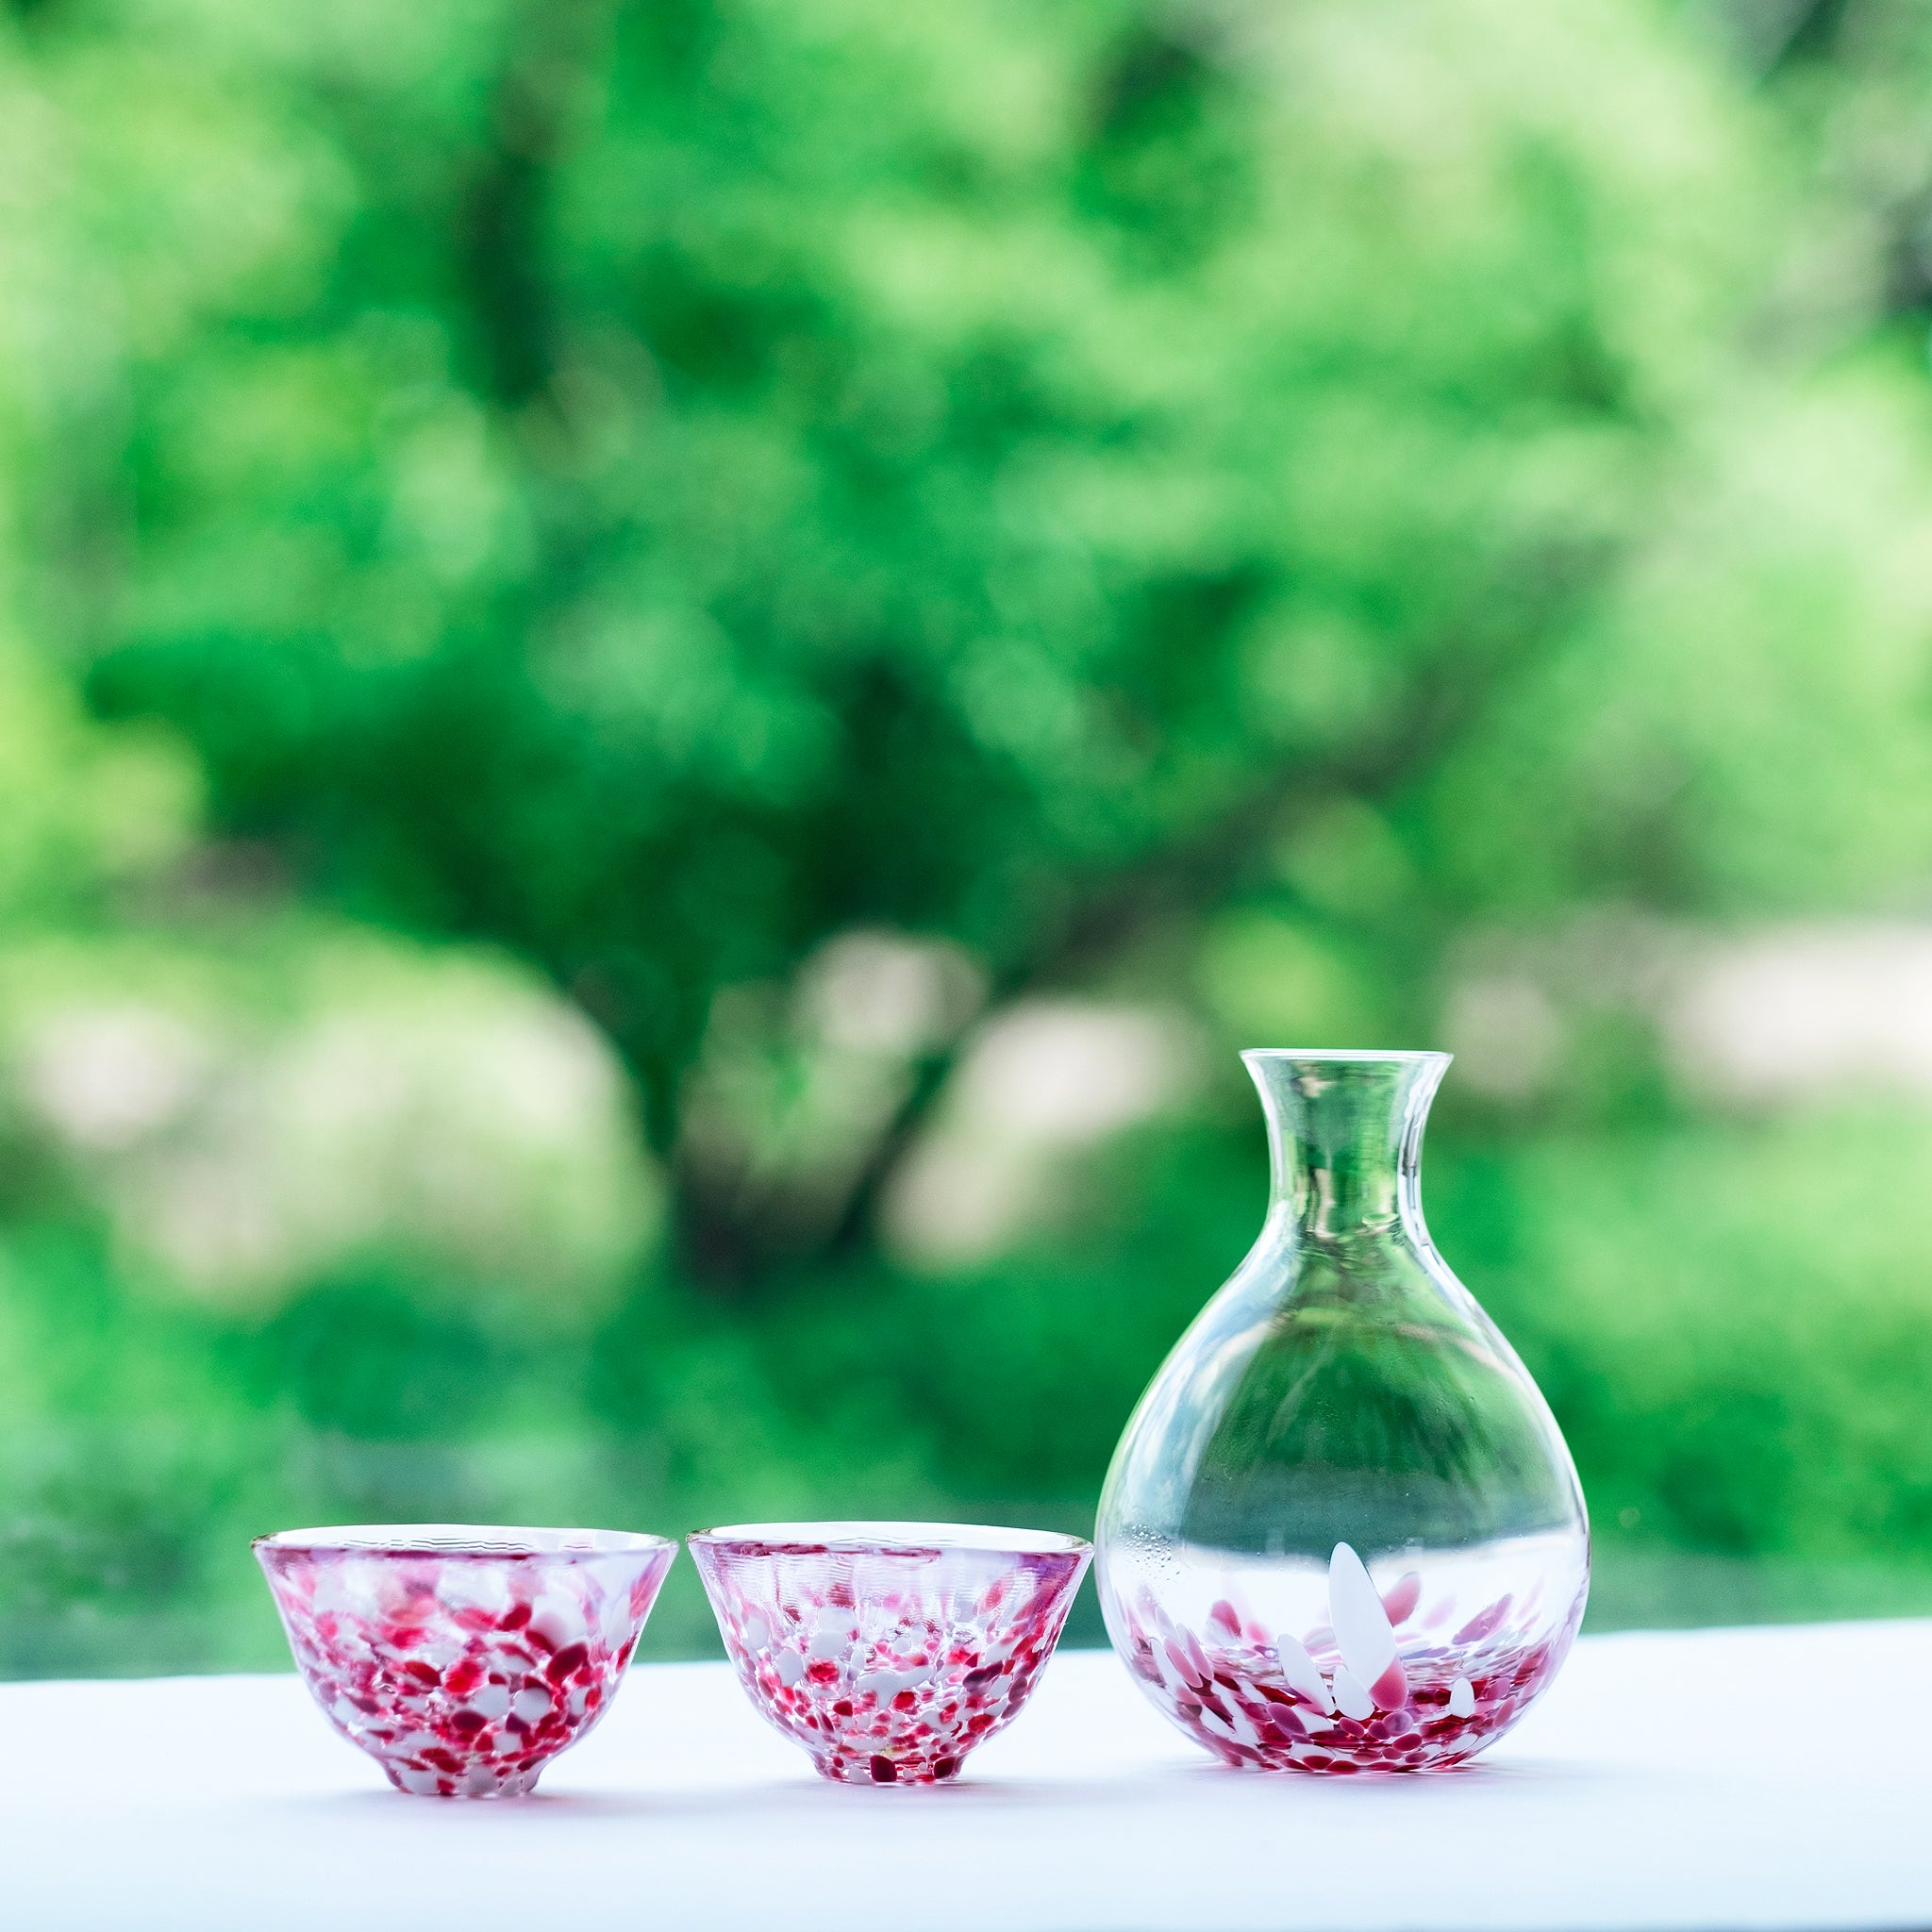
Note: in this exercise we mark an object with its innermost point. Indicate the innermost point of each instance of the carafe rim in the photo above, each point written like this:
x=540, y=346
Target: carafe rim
x=1391, y=1055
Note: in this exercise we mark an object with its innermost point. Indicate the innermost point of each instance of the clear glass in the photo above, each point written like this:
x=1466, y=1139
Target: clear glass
x=888, y=1650
x=463, y=1659
x=1343, y=1531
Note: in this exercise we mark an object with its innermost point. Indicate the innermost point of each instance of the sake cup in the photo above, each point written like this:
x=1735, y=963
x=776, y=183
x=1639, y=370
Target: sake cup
x=463, y=1659
x=888, y=1650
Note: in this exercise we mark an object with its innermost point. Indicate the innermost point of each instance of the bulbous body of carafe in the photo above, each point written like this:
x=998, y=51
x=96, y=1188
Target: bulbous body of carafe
x=1343, y=1531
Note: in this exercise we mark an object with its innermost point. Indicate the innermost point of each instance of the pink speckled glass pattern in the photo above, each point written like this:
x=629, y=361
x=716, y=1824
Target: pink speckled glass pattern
x=1392, y=1681
x=463, y=1659
x=888, y=1650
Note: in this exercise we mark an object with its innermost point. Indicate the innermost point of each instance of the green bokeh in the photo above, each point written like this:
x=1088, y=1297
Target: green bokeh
x=523, y=527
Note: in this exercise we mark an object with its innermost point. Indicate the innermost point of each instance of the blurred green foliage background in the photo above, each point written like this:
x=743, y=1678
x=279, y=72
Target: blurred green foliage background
x=673, y=673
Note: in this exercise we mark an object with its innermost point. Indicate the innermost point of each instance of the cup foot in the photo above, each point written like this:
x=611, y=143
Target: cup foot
x=889, y=1773
x=478, y=1781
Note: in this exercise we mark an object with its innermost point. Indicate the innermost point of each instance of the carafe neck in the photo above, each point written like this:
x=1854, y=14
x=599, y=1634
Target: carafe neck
x=1344, y=1136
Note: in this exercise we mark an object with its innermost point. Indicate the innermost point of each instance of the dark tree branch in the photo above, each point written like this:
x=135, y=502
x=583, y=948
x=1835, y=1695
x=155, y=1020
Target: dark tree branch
x=1187, y=879
x=506, y=209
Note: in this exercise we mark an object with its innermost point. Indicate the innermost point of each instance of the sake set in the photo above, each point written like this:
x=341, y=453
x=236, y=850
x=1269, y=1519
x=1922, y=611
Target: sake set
x=1340, y=1534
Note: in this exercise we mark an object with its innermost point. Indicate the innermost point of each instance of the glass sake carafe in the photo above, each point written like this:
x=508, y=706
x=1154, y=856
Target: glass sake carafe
x=1343, y=1532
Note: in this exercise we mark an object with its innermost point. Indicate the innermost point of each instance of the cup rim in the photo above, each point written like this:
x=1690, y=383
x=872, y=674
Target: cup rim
x=858, y=1536
x=482, y=1542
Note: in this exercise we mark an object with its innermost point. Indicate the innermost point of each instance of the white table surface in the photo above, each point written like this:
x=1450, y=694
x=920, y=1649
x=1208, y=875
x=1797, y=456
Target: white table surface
x=1721, y=1779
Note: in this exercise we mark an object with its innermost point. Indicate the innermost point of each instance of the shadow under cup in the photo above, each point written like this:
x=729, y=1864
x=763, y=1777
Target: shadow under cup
x=462, y=1658
x=888, y=1650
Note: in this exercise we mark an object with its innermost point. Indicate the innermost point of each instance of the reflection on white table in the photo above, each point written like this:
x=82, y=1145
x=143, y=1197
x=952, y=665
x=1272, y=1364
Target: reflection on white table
x=1722, y=1778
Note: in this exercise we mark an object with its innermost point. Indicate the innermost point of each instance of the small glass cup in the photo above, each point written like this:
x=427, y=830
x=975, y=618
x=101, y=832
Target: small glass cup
x=888, y=1650
x=461, y=1659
